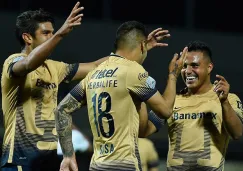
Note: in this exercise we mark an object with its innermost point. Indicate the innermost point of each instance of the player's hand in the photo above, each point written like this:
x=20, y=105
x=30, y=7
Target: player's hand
x=222, y=88
x=73, y=20
x=155, y=36
x=176, y=63
x=69, y=164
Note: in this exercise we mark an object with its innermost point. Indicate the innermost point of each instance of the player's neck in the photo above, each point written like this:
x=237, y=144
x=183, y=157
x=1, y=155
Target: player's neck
x=202, y=89
x=130, y=55
x=27, y=50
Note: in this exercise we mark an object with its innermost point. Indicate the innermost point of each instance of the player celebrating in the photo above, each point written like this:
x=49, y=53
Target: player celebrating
x=205, y=116
x=29, y=91
x=113, y=93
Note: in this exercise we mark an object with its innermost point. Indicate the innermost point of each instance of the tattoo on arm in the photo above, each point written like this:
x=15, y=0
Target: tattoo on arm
x=175, y=70
x=64, y=123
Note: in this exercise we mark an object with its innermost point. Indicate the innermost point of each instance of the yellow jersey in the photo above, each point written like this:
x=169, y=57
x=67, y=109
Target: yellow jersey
x=197, y=137
x=112, y=91
x=28, y=103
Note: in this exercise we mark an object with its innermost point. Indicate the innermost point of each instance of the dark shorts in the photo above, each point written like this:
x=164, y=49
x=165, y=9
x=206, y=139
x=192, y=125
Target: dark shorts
x=11, y=167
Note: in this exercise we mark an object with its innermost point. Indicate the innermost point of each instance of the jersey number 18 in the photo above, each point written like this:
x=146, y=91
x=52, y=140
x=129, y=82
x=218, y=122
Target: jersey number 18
x=103, y=114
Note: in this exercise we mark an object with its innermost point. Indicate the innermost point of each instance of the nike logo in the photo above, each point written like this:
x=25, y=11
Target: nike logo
x=176, y=108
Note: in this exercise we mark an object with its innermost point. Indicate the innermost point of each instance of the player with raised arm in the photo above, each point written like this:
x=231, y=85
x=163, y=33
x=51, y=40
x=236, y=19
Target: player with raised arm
x=113, y=93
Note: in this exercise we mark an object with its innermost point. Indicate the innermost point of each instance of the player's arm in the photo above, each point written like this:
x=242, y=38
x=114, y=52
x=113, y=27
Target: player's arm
x=149, y=123
x=163, y=105
x=152, y=157
x=40, y=53
x=232, y=110
x=73, y=101
x=85, y=68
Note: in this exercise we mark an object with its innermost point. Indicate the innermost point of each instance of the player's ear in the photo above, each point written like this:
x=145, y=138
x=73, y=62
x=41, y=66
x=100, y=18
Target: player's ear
x=27, y=38
x=210, y=67
x=143, y=46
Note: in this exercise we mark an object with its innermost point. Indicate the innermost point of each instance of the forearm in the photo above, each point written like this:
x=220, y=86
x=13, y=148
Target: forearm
x=170, y=92
x=42, y=52
x=231, y=121
x=99, y=61
x=63, y=120
x=64, y=131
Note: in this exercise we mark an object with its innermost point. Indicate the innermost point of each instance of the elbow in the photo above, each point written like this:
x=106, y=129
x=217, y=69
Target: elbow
x=29, y=66
x=167, y=114
x=142, y=136
x=237, y=136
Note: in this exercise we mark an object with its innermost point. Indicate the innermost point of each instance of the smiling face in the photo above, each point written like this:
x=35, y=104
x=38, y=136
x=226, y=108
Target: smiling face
x=196, y=71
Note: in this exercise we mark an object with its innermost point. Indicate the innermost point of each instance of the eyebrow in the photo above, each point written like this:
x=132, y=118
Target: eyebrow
x=192, y=63
x=46, y=30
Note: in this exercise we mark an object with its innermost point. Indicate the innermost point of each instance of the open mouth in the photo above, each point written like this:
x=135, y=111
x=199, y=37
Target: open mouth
x=191, y=79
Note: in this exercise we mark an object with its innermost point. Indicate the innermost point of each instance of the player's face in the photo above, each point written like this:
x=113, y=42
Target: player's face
x=195, y=71
x=42, y=34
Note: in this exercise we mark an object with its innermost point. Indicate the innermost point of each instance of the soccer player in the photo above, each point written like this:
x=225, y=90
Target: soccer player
x=205, y=116
x=113, y=93
x=29, y=87
x=148, y=154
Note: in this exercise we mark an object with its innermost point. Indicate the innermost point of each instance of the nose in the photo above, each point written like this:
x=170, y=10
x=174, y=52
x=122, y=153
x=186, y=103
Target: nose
x=50, y=35
x=188, y=69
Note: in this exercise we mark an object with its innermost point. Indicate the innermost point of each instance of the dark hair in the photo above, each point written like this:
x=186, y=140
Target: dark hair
x=129, y=33
x=27, y=22
x=200, y=46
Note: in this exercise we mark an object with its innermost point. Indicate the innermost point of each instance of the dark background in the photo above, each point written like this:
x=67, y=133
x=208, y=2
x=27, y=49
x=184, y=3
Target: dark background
x=218, y=23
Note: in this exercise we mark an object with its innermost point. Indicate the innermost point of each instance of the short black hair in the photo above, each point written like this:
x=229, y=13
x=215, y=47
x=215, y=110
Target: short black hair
x=27, y=22
x=200, y=46
x=129, y=34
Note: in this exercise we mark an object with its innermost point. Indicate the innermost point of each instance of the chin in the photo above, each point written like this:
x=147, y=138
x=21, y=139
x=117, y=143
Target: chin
x=191, y=86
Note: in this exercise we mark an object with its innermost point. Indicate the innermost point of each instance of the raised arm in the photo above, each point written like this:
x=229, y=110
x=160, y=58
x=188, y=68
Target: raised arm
x=41, y=52
x=232, y=110
x=162, y=105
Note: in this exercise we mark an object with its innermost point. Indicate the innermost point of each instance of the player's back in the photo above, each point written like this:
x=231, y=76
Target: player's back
x=113, y=116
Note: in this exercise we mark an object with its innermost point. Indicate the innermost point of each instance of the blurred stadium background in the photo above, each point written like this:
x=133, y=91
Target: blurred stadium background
x=216, y=22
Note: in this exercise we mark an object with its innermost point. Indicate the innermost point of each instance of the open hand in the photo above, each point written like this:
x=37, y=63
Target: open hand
x=176, y=63
x=155, y=36
x=73, y=20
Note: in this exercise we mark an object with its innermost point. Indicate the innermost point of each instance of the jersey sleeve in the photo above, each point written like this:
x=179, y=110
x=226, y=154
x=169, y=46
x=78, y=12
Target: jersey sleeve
x=8, y=66
x=153, y=159
x=65, y=71
x=79, y=92
x=236, y=104
x=139, y=82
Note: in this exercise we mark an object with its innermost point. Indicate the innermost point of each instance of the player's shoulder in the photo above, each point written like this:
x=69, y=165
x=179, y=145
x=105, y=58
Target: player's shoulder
x=135, y=65
x=233, y=96
x=51, y=61
x=14, y=58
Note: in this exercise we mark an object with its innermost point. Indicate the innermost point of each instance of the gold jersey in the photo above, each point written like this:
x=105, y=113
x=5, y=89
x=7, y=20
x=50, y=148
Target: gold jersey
x=148, y=154
x=112, y=90
x=28, y=104
x=197, y=137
